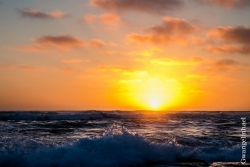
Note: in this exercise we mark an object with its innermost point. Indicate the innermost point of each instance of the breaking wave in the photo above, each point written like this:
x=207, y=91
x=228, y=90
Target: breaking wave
x=117, y=148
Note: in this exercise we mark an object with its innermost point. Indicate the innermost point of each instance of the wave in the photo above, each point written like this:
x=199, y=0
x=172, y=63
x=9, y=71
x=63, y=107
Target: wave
x=117, y=148
x=93, y=115
x=43, y=116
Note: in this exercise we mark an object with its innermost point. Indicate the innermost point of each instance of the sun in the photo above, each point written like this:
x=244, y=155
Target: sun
x=154, y=103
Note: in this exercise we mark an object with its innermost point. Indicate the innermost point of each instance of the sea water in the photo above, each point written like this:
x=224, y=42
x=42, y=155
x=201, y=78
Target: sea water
x=119, y=138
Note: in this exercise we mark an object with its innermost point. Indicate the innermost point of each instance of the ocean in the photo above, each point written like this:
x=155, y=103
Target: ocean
x=120, y=138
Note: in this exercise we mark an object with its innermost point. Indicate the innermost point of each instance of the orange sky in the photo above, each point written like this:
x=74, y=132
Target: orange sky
x=126, y=55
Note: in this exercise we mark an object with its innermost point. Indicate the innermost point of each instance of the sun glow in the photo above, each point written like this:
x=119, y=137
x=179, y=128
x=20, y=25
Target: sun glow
x=154, y=103
x=151, y=93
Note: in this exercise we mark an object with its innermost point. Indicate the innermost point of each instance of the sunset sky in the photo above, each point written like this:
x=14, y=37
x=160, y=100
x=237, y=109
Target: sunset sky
x=125, y=55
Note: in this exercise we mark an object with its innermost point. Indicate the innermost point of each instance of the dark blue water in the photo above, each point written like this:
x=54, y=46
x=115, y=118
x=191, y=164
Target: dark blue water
x=99, y=138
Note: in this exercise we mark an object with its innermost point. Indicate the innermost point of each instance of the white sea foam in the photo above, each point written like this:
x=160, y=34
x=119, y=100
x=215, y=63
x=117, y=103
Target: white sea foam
x=117, y=148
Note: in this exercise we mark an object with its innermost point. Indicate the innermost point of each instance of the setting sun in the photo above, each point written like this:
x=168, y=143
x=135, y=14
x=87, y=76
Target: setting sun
x=154, y=103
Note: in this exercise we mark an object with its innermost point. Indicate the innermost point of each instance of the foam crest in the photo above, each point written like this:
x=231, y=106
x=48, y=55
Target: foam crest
x=117, y=148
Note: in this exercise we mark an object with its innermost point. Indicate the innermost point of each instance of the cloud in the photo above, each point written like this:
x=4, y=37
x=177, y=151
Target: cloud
x=172, y=30
x=30, y=48
x=228, y=3
x=123, y=69
x=22, y=67
x=195, y=76
x=108, y=21
x=61, y=42
x=226, y=64
x=130, y=81
x=110, y=52
x=136, y=72
x=27, y=67
x=245, y=50
x=149, y=6
x=148, y=52
x=97, y=43
x=71, y=61
x=69, y=70
x=109, y=18
x=32, y=13
x=167, y=61
x=116, y=68
x=197, y=59
x=89, y=18
x=106, y=18
x=64, y=42
x=196, y=91
x=239, y=34
x=231, y=40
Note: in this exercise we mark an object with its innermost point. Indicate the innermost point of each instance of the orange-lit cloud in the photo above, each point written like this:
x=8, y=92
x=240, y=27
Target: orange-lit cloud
x=109, y=52
x=109, y=18
x=231, y=40
x=195, y=76
x=227, y=64
x=22, y=67
x=197, y=59
x=71, y=61
x=172, y=30
x=69, y=69
x=32, y=13
x=64, y=42
x=30, y=48
x=136, y=73
x=230, y=49
x=116, y=68
x=130, y=80
x=168, y=61
x=106, y=18
x=228, y=3
x=151, y=6
x=123, y=69
x=148, y=52
x=97, y=43
x=89, y=18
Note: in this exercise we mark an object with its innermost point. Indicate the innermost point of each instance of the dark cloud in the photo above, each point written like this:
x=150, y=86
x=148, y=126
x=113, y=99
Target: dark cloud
x=239, y=34
x=64, y=42
x=172, y=30
x=228, y=3
x=32, y=13
x=245, y=50
x=151, y=6
x=231, y=40
x=227, y=64
x=172, y=25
